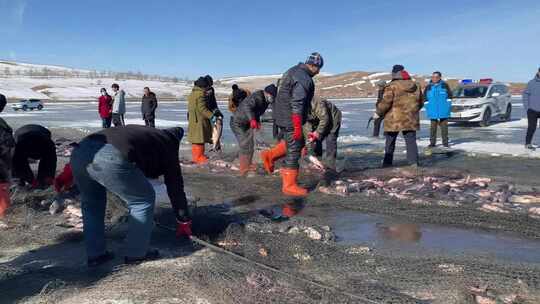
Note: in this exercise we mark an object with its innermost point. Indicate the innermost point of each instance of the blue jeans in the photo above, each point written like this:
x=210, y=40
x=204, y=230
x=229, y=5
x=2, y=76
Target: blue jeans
x=98, y=167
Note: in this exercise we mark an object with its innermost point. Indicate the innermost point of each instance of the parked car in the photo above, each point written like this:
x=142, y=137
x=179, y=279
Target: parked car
x=481, y=102
x=28, y=104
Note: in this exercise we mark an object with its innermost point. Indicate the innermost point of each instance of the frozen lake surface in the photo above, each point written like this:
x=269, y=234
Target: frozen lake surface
x=505, y=138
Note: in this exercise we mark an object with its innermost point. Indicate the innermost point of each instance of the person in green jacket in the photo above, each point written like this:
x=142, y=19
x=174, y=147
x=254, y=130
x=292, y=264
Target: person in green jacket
x=323, y=124
x=199, y=117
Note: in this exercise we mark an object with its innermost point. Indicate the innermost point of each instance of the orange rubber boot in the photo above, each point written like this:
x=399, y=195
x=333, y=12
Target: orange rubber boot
x=290, y=187
x=197, y=154
x=5, y=201
x=270, y=156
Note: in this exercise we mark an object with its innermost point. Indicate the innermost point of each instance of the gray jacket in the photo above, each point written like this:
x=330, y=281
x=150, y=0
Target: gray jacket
x=531, y=95
x=119, y=104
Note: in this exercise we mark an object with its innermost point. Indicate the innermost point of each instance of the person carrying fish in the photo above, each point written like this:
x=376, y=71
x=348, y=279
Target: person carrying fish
x=247, y=120
x=323, y=124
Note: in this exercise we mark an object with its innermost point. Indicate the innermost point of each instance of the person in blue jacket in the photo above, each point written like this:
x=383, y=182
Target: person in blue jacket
x=438, y=95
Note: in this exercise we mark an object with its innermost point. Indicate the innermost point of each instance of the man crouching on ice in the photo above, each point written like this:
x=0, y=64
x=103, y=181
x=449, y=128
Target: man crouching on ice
x=121, y=160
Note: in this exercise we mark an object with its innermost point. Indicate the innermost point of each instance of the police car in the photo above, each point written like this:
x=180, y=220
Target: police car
x=481, y=102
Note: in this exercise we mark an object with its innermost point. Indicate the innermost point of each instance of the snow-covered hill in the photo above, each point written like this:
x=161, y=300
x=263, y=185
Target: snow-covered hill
x=24, y=80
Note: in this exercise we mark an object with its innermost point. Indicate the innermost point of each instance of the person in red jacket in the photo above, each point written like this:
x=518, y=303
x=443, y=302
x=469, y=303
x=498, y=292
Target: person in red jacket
x=105, y=108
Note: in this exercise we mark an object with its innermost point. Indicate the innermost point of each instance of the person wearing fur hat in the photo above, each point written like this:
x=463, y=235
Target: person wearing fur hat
x=247, y=120
x=122, y=160
x=199, y=121
x=293, y=101
x=400, y=107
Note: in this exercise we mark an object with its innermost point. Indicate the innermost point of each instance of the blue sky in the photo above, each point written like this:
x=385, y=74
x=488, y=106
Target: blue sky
x=239, y=37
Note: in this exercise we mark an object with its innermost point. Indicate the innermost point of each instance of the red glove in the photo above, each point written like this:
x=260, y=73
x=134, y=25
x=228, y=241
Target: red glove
x=254, y=124
x=5, y=201
x=64, y=180
x=35, y=184
x=313, y=136
x=183, y=229
x=297, y=124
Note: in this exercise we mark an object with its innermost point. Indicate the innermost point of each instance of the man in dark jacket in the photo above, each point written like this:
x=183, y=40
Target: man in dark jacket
x=323, y=124
x=217, y=123
x=121, y=160
x=246, y=120
x=438, y=95
x=34, y=142
x=7, y=144
x=400, y=107
x=148, y=107
x=531, y=103
x=296, y=89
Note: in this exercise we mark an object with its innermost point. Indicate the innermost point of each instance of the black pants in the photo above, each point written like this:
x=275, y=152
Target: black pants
x=106, y=122
x=410, y=141
x=443, y=124
x=244, y=135
x=377, y=126
x=294, y=147
x=151, y=122
x=532, y=117
x=118, y=120
x=46, y=168
x=331, y=148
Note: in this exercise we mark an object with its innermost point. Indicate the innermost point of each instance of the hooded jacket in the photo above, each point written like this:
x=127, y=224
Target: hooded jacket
x=119, y=104
x=149, y=105
x=296, y=90
x=253, y=107
x=531, y=95
x=200, y=127
x=437, y=95
x=400, y=105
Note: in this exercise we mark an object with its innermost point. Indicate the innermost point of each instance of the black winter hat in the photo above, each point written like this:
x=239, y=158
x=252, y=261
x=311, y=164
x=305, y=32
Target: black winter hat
x=209, y=79
x=202, y=83
x=235, y=87
x=177, y=132
x=397, y=68
x=271, y=89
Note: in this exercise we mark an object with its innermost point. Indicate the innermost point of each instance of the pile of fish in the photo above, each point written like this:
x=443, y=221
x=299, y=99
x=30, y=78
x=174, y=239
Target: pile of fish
x=450, y=191
x=215, y=166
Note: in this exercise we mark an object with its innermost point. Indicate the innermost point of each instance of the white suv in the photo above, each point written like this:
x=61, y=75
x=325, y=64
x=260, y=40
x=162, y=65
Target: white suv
x=481, y=102
x=29, y=104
